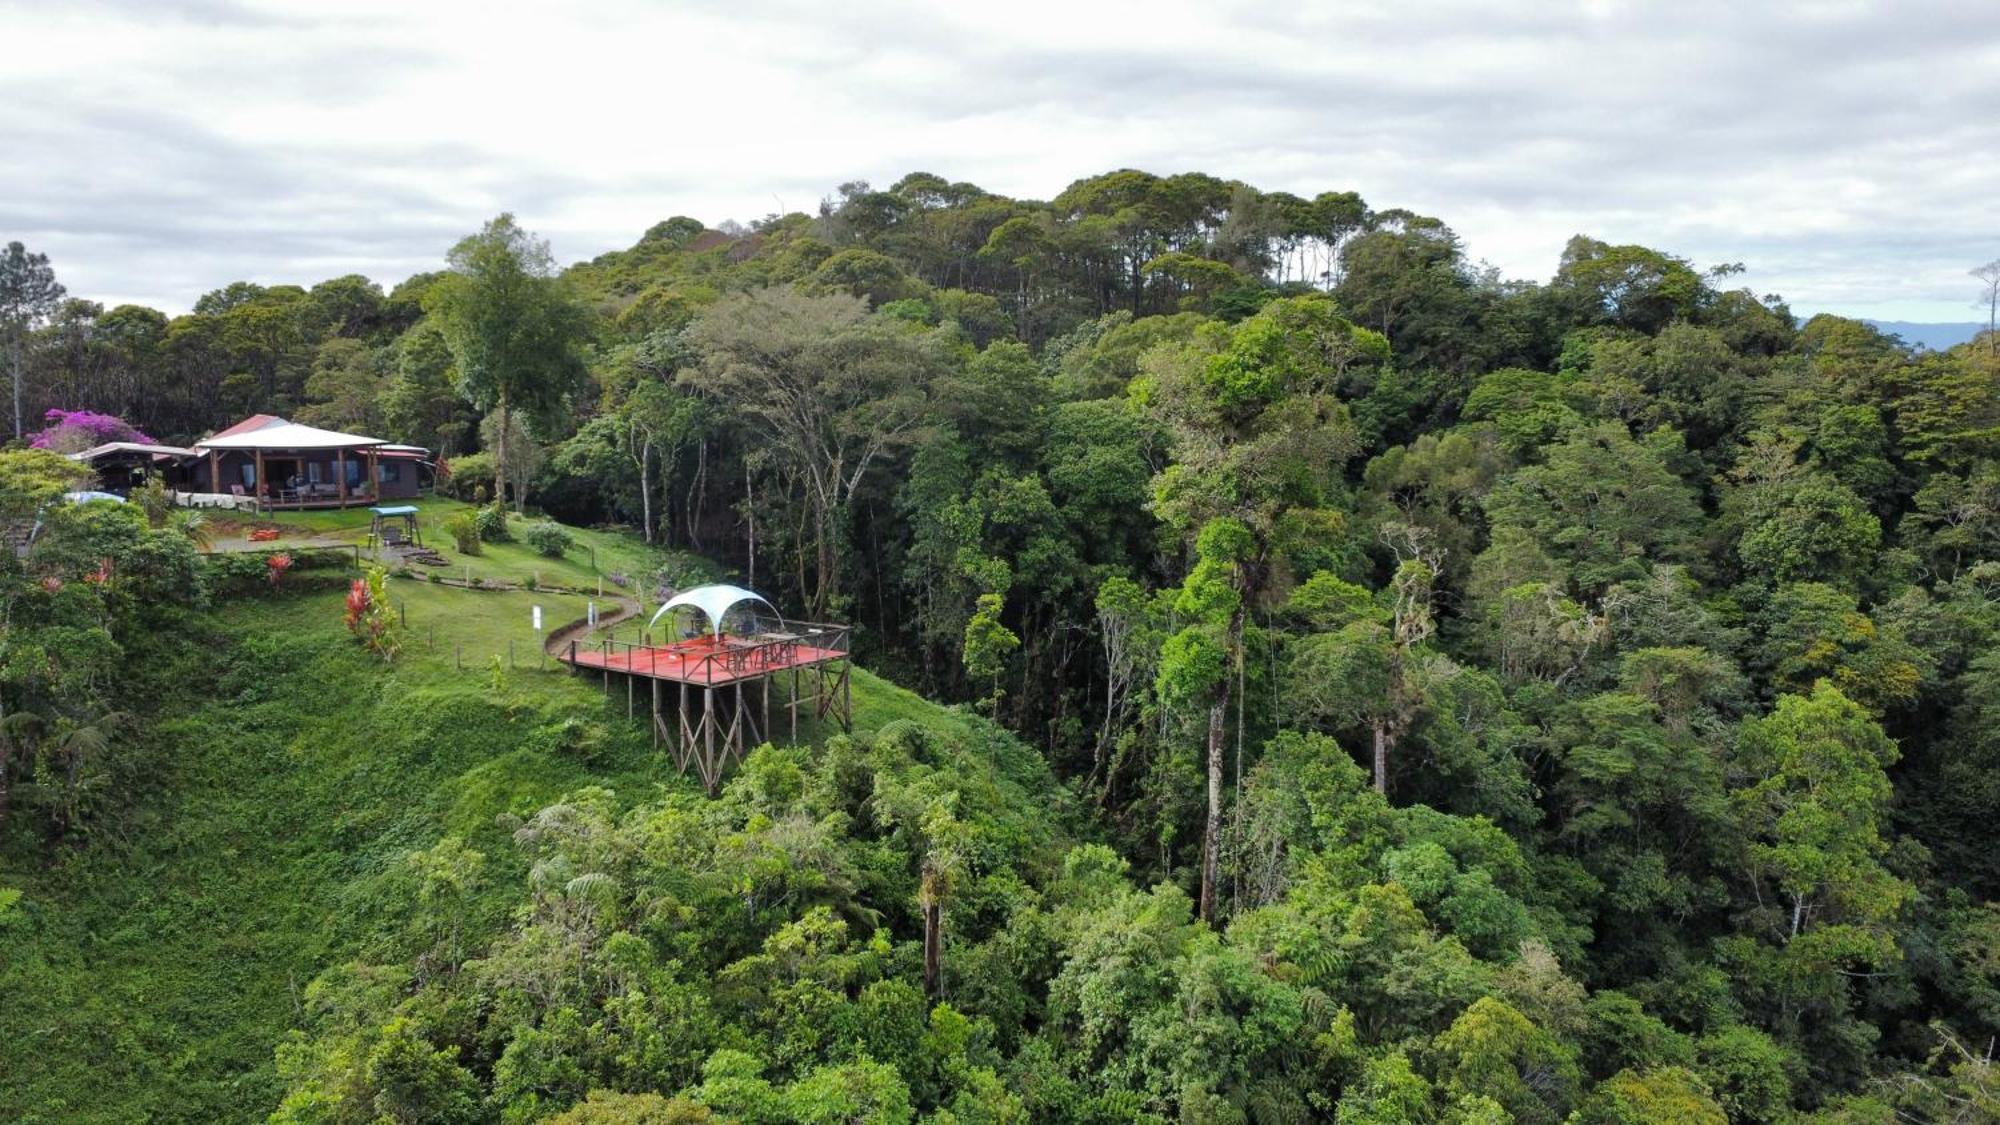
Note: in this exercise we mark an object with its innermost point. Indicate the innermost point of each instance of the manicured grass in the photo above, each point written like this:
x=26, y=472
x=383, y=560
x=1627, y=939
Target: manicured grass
x=593, y=554
x=450, y=626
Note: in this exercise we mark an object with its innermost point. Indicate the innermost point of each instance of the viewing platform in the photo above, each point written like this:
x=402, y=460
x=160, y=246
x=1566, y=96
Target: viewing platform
x=712, y=694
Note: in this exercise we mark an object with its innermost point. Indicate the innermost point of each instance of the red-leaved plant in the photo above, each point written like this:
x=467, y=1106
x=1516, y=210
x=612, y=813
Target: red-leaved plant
x=368, y=615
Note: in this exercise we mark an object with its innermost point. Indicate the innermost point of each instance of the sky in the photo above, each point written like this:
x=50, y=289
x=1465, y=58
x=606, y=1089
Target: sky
x=1844, y=153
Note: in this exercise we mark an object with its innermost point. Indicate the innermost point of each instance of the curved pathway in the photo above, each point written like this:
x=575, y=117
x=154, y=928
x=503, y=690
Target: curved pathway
x=620, y=610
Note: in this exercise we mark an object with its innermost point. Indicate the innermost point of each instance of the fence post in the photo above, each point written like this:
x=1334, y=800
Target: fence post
x=458, y=655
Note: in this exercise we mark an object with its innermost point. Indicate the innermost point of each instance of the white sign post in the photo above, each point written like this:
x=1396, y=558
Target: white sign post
x=538, y=619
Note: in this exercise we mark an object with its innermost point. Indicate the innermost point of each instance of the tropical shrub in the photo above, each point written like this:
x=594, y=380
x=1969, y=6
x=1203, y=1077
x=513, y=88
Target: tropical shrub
x=547, y=538
x=368, y=614
x=491, y=520
x=471, y=476
x=464, y=531
x=73, y=431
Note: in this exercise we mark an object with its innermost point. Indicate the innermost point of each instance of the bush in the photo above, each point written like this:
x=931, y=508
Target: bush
x=472, y=476
x=464, y=531
x=238, y=573
x=547, y=538
x=491, y=522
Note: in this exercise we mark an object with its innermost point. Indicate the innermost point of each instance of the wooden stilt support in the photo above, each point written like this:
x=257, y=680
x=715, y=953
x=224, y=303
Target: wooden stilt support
x=686, y=743
x=708, y=739
x=656, y=714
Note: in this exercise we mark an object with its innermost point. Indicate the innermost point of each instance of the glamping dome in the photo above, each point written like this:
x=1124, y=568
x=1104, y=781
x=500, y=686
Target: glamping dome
x=715, y=603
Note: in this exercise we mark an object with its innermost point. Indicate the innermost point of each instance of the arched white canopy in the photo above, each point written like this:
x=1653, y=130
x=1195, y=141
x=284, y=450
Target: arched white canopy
x=713, y=601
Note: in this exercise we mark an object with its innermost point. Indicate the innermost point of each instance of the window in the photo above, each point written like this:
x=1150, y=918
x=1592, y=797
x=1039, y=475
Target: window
x=388, y=472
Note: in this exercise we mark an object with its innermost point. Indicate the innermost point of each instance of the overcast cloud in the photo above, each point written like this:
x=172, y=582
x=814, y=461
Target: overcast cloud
x=1844, y=152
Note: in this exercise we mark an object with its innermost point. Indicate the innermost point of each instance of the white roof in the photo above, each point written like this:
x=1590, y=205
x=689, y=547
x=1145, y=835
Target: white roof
x=289, y=435
x=95, y=452
x=713, y=601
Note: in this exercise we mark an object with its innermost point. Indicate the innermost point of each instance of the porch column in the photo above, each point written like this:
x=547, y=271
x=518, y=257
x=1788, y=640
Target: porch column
x=214, y=473
x=260, y=489
x=340, y=473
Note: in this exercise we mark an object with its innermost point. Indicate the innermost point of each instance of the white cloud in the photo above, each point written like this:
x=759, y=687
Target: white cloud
x=160, y=150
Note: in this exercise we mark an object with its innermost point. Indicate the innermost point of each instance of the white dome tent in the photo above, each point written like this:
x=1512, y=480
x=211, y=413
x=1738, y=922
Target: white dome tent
x=714, y=602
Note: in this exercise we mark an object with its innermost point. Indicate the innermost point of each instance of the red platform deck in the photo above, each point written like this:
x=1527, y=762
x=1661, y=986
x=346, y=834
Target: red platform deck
x=709, y=662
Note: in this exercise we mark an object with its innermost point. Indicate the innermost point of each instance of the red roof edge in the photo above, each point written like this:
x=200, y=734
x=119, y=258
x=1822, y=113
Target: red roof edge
x=254, y=422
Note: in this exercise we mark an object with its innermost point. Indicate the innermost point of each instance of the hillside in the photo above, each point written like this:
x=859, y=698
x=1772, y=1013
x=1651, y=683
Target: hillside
x=152, y=972
x=1932, y=335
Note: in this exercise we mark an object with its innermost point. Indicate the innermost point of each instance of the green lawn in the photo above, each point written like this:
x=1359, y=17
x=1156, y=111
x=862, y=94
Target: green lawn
x=149, y=975
x=592, y=555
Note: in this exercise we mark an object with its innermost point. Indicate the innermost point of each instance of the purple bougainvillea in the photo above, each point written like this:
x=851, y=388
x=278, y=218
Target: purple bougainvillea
x=70, y=431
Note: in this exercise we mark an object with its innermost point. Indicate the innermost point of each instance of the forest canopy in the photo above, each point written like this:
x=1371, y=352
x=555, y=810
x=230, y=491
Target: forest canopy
x=1403, y=693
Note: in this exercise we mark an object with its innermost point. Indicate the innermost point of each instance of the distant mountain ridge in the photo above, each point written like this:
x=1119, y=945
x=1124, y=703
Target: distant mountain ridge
x=1936, y=337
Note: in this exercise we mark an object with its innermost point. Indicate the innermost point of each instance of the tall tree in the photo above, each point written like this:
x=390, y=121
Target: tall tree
x=1989, y=278
x=1195, y=665
x=830, y=390
x=513, y=329
x=29, y=296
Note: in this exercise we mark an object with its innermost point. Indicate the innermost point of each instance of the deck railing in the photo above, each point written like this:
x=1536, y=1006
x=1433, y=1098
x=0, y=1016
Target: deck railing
x=708, y=661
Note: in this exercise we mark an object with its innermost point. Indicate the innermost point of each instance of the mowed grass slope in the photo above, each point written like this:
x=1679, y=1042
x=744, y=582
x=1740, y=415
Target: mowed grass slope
x=593, y=554
x=149, y=974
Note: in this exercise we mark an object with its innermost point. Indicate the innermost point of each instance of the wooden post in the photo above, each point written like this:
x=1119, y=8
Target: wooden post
x=794, y=707
x=656, y=713
x=257, y=490
x=214, y=472
x=708, y=737
x=340, y=474
x=628, y=696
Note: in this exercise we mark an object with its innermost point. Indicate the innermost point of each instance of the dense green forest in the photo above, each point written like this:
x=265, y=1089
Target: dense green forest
x=1384, y=691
